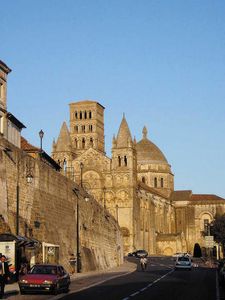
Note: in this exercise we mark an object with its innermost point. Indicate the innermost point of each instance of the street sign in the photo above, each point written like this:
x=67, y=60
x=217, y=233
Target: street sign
x=209, y=241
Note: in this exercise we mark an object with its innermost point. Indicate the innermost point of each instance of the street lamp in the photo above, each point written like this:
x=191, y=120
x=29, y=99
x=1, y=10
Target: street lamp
x=81, y=174
x=76, y=190
x=41, y=135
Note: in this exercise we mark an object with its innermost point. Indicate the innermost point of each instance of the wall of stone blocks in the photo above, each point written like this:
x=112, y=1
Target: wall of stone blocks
x=50, y=201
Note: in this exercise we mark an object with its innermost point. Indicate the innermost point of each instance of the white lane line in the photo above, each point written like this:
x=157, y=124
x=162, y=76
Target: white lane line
x=134, y=294
x=149, y=285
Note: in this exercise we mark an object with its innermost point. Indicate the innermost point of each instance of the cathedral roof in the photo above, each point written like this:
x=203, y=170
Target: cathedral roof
x=205, y=197
x=124, y=134
x=148, y=151
x=64, y=140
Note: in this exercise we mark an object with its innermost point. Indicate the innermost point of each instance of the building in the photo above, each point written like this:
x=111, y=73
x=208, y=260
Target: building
x=10, y=126
x=136, y=185
x=45, y=216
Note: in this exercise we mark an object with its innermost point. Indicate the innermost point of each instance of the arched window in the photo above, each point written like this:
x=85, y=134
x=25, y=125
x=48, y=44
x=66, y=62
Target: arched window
x=76, y=144
x=91, y=142
x=76, y=128
x=125, y=160
x=143, y=179
x=76, y=115
x=90, y=128
x=161, y=181
x=81, y=115
x=85, y=114
x=119, y=161
x=83, y=143
x=155, y=182
x=83, y=128
x=90, y=115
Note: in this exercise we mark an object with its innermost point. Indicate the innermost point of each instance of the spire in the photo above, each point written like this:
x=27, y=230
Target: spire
x=144, y=132
x=124, y=135
x=64, y=142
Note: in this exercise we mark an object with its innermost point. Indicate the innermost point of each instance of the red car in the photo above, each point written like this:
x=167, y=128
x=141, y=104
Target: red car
x=45, y=278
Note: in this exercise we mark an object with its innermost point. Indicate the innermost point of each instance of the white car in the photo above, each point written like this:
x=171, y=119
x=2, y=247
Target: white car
x=177, y=254
x=183, y=262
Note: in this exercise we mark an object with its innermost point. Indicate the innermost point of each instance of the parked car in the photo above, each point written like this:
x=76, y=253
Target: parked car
x=183, y=262
x=132, y=253
x=139, y=253
x=45, y=278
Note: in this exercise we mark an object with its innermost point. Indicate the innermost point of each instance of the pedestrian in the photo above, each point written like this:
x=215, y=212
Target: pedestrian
x=143, y=263
x=4, y=274
x=72, y=262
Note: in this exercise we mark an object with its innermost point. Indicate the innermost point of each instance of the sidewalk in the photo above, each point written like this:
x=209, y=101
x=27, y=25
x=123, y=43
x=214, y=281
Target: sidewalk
x=101, y=275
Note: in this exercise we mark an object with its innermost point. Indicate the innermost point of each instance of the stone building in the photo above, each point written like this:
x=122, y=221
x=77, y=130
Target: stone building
x=38, y=203
x=136, y=185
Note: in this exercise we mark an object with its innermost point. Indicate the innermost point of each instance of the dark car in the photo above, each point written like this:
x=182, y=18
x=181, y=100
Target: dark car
x=45, y=278
x=139, y=253
x=132, y=253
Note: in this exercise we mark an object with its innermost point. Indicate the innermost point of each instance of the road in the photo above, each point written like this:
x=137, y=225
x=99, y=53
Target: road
x=158, y=282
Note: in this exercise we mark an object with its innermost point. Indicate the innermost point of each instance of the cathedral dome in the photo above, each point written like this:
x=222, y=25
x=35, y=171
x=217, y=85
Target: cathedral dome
x=148, y=151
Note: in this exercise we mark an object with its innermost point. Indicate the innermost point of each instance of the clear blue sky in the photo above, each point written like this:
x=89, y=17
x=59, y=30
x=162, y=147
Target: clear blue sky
x=162, y=63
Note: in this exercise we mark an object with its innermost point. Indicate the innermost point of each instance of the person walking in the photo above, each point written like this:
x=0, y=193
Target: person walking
x=4, y=274
x=143, y=263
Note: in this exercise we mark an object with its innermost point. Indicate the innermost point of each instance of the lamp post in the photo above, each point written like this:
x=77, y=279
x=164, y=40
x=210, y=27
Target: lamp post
x=41, y=135
x=81, y=174
x=76, y=190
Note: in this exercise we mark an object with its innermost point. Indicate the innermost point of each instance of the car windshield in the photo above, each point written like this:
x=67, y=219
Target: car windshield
x=43, y=270
x=183, y=258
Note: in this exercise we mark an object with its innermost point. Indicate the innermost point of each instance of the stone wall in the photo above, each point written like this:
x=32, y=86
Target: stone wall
x=50, y=202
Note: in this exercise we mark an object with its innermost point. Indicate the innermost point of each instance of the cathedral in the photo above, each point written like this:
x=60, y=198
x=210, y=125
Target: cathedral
x=135, y=185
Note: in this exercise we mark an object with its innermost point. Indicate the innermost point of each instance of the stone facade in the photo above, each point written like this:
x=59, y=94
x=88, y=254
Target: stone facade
x=136, y=184
x=132, y=192
x=50, y=202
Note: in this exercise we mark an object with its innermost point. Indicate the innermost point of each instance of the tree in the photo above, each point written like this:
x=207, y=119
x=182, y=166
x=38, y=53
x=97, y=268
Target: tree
x=218, y=229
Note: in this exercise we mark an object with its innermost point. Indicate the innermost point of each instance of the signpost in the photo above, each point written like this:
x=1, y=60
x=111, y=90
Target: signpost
x=209, y=241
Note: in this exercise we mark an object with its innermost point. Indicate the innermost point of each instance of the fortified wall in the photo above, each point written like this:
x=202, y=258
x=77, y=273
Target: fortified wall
x=46, y=209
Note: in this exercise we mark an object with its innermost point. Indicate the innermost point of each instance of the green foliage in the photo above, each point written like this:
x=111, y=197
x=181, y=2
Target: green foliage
x=197, y=251
x=218, y=229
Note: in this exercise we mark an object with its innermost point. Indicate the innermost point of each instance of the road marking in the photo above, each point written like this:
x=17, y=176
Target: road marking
x=92, y=285
x=149, y=285
x=134, y=294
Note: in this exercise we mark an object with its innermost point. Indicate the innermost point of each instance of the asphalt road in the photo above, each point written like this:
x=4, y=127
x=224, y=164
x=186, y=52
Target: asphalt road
x=158, y=282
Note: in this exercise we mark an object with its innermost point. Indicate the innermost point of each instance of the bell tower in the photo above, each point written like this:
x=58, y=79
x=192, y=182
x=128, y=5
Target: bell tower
x=87, y=126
